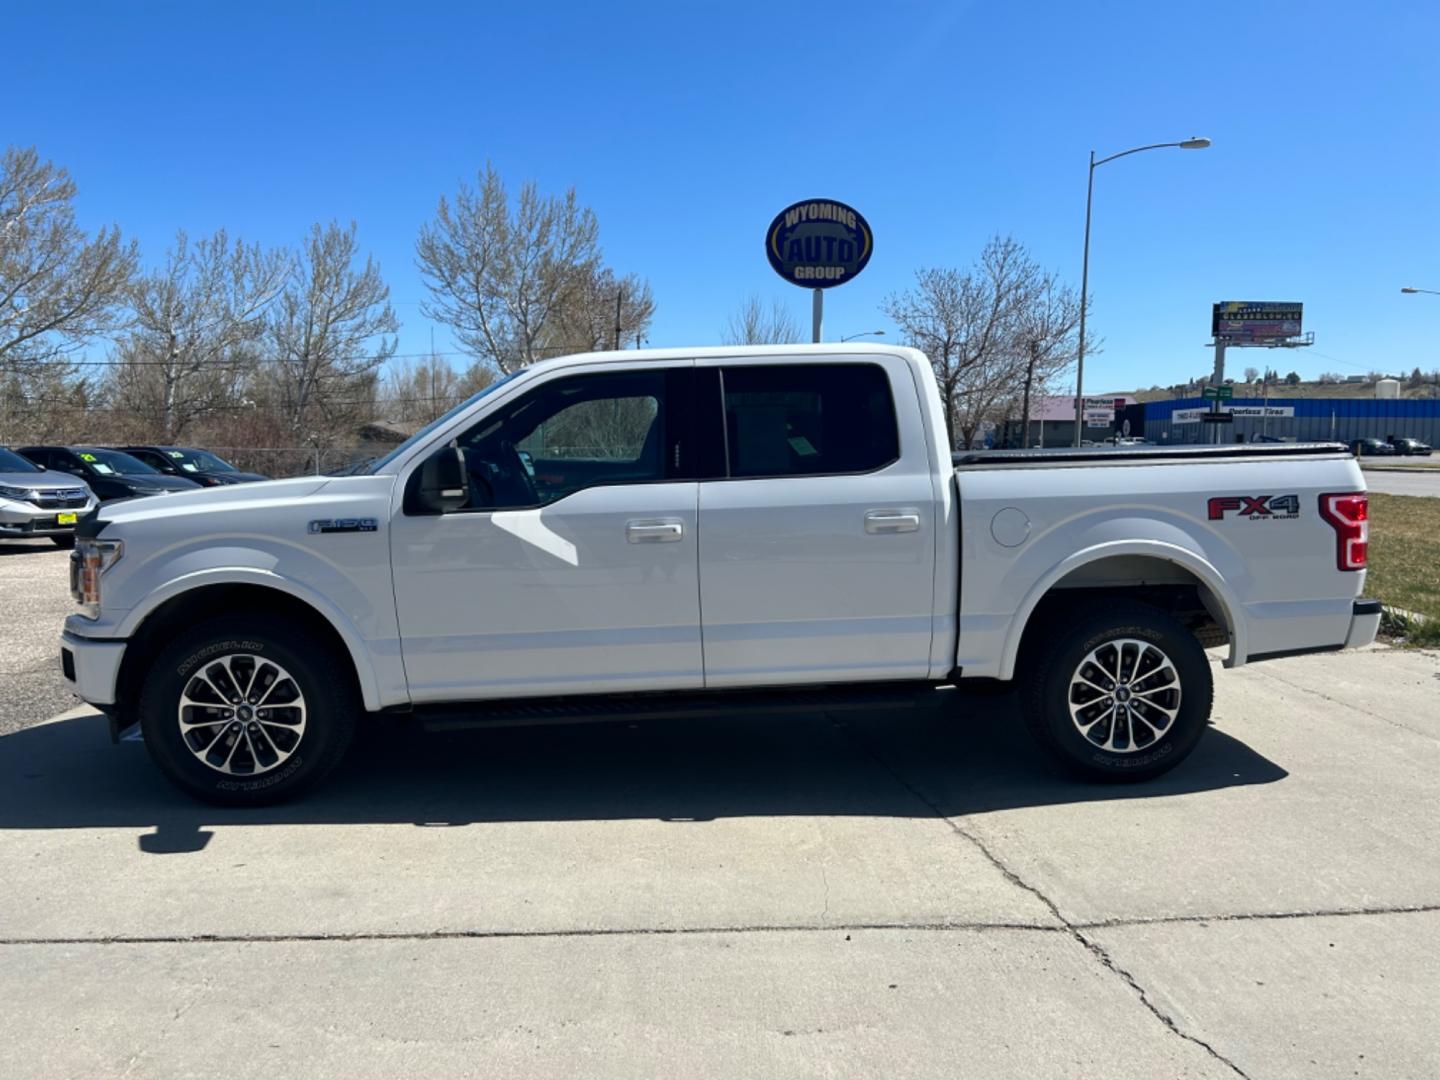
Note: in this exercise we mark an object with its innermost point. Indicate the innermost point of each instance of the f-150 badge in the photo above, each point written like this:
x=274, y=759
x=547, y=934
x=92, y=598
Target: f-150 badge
x=344, y=525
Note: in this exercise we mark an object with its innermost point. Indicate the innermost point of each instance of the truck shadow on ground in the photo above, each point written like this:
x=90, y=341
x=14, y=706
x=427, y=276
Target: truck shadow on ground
x=973, y=758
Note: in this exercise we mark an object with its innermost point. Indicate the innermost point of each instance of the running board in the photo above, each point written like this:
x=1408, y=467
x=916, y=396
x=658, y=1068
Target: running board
x=678, y=705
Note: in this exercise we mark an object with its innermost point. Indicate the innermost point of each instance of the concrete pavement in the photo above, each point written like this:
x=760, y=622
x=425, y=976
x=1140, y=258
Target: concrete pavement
x=901, y=895
x=1402, y=480
x=34, y=592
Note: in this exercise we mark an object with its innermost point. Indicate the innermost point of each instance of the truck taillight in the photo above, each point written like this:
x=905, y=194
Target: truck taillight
x=1349, y=515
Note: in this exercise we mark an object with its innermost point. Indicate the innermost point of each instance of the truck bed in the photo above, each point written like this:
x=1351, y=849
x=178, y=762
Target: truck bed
x=1147, y=455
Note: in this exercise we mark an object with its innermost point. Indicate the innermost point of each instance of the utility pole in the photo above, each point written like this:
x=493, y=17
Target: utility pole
x=619, y=296
x=1025, y=408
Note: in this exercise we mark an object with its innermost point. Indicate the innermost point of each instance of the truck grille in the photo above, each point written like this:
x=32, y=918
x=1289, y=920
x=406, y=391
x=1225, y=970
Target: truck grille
x=59, y=498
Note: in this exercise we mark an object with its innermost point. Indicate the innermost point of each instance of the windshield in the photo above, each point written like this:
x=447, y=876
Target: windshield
x=13, y=462
x=110, y=462
x=440, y=421
x=199, y=461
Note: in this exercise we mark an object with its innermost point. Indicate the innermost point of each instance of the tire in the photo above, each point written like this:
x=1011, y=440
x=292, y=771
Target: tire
x=67, y=541
x=1079, y=722
x=298, y=729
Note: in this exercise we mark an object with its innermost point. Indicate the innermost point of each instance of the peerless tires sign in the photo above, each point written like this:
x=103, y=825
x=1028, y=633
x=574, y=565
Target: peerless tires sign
x=819, y=243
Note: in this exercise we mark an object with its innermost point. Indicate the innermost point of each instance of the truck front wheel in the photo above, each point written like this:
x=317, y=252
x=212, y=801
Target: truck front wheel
x=1123, y=694
x=241, y=712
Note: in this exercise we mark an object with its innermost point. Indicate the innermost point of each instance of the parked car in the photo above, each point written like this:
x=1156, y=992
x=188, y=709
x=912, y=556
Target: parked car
x=1408, y=446
x=647, y=532
x=37, y=502
x=202, y=466
x=1371, y=448
x=110, y=474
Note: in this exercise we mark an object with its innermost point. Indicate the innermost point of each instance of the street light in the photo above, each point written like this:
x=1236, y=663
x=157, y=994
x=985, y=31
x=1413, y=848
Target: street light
x=1184, y=144
x=864, y=333
x=1408, y=289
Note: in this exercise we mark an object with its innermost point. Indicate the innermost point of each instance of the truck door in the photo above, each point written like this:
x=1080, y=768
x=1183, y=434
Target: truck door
x=573, y=568
x=817, y=551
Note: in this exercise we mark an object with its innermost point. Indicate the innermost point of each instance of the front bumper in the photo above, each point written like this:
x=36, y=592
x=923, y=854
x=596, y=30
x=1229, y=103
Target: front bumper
x=19, y=519
x=91, y=668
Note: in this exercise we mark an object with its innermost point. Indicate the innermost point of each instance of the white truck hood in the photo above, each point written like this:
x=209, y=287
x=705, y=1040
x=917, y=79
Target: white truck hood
x=232, y=500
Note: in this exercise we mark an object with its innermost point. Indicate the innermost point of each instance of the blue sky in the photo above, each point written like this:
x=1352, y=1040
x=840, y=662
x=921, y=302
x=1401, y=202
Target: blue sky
x=688, y=126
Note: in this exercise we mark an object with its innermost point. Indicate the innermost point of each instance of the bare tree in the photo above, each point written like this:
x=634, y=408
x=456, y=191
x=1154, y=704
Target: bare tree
x=996, y=333
x=417, y=391
x=497, y=277
x=195, y=325
x=753, y=323
x=600, y=311
x=1046, y=332
x=964, y=321
x=327, y=336
x=58, y=288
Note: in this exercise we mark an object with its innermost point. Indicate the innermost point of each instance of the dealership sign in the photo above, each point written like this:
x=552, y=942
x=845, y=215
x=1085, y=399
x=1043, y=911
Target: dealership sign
x=1100, y=411
x=819, y=243
x=1273, y=412
x=1250, y=322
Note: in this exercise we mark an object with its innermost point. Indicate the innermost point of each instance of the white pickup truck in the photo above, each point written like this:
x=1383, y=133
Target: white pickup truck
x=667, y=531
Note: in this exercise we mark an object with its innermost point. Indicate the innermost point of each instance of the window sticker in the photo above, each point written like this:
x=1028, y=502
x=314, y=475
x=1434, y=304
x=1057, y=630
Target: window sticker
x=189, y=466
x=176, y=454
x=87, y=457
x=801, y=446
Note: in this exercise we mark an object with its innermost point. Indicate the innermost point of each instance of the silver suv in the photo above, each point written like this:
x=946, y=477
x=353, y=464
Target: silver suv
x=36, y=502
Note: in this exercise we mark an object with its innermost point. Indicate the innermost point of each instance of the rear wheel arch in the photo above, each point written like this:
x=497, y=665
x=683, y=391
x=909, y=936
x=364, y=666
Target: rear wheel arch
x=1174, y=582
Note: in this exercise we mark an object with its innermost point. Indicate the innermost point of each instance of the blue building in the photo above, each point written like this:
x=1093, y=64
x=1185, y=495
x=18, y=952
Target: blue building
x=1300, y=419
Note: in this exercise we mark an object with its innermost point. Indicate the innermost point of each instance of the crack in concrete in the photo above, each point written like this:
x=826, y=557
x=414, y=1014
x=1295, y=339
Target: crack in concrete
x=1070, y=928
x=487, y=935
x=1073, y=930
x=1337, y=701
x=1256, y=916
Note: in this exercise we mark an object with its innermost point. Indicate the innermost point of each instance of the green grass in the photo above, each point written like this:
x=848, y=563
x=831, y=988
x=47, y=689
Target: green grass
x=1405, y=562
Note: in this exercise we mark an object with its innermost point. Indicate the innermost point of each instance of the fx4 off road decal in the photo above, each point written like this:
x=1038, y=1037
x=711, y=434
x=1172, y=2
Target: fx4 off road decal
x=343, y=525
x=1255, y=507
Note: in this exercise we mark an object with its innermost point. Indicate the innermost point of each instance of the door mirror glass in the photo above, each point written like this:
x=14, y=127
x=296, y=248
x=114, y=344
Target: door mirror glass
x=443, y=484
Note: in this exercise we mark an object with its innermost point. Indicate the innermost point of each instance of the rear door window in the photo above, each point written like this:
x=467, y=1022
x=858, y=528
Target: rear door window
x=808, y=420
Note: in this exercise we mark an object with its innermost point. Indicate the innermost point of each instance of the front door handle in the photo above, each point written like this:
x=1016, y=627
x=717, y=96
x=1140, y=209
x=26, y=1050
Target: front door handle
x=892, y=521
x=654, y=532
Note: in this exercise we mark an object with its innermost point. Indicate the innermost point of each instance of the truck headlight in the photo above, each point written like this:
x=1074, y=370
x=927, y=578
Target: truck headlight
x=90, y=559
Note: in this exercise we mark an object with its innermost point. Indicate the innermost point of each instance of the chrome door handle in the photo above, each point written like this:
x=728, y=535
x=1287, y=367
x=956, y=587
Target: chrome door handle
x=654, y=532
x=892, y=521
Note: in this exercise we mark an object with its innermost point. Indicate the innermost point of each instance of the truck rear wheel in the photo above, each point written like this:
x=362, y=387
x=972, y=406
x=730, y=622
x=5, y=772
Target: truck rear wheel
x=1122, y=695
x=241, y=712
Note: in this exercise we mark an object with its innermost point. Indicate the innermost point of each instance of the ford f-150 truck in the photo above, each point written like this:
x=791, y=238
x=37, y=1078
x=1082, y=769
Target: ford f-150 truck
x=663, y=531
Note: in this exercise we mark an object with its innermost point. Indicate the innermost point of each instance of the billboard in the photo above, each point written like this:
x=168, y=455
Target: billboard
x=1251, y=322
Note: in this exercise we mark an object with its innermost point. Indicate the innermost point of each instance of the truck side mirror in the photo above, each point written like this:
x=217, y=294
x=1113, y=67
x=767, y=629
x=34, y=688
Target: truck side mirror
x=444, y=482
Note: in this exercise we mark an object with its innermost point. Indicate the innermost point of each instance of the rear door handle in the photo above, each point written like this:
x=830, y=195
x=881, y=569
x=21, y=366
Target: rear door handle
x=654, y=532
x=892, y=521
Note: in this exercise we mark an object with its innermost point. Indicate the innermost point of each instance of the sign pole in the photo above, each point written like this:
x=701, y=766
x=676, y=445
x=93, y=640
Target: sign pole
x=817, y=313
x=1217, y=379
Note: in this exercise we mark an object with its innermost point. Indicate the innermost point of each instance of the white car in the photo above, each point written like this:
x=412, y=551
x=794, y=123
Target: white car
x=664, y=532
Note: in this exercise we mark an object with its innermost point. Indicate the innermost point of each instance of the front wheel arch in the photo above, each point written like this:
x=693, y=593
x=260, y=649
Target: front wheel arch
x=177, y=614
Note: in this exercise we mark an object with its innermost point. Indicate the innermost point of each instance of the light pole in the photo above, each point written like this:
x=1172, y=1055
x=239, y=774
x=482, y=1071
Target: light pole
x=1184, y=144
x=1408, y=289
x=863, y=333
